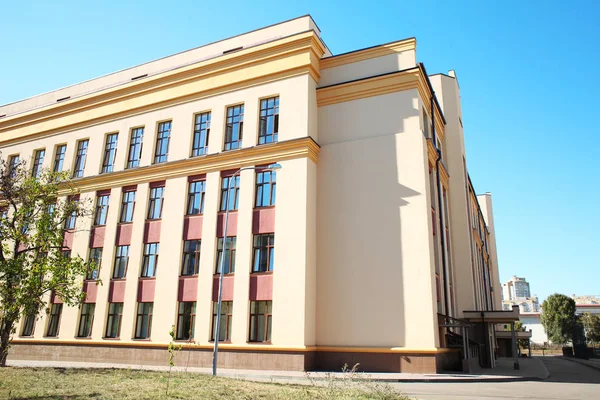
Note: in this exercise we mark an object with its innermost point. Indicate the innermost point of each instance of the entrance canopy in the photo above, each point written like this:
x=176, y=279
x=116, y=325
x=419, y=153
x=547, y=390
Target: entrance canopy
x=494, y=317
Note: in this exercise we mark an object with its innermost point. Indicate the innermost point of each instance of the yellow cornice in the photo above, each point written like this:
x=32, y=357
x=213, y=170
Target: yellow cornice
x=413, y=78
x=291, y=56
x=444, y=177
x=265, y=154
x=371, y=52
x=431, y=153
x=227, y=346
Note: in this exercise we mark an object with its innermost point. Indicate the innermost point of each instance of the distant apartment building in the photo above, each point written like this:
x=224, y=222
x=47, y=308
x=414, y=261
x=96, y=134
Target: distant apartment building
x=369, y=245
x=515, y=288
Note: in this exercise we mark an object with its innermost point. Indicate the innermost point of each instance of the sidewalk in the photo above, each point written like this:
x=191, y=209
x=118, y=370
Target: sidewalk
x=531, y=369
x=592, y=362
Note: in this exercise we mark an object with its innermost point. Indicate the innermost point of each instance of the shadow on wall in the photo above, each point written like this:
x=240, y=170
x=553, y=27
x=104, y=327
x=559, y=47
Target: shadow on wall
x=360, y=283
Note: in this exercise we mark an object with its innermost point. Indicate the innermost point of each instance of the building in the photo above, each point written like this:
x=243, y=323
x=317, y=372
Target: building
x=384, y=253
x=516, y=288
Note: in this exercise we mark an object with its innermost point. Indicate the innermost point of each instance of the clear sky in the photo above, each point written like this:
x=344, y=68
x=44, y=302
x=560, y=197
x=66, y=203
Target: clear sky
x=528, y=73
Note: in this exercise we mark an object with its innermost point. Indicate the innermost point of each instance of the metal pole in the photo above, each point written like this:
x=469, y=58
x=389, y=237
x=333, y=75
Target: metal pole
x=514, y=345
x=221, y=273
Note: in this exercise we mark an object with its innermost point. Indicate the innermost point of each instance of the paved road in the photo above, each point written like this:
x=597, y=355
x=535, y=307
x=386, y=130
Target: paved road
x=568, y=380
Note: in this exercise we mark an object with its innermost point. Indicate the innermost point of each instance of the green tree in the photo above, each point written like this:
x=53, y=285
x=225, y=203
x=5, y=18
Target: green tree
x=591, y=325
x=558, y=318
x=32, y=259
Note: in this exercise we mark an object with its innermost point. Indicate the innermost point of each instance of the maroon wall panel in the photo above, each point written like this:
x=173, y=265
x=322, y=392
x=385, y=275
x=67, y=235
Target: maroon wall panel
x=97, y=237
x=124, y=234
x=152, y=232
x=263, y=220
x=91, y=291
x=68, y=239
x=188, y=288
x=192, y=228
x=116, y=292
x=232, y=224
x=146, y=289
x=227, y=288
x=261, y=287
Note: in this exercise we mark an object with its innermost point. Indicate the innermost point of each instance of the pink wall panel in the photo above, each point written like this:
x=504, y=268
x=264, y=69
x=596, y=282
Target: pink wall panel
x=97, y=237
x=263, y=220
x=232, y=224
x=146, y=290
x=91, y=291
x=227, y=288
x=116, y=292
x=68, y=239
x=261, y=287
x=188, y=288
x=152, y=232
x=192, y=228
x=54, y=299
x=124, y=234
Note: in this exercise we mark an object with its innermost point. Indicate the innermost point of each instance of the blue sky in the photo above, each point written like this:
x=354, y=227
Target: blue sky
x=527, y=72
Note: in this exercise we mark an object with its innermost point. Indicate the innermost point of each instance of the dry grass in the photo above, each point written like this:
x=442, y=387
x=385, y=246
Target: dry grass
x=57, y=383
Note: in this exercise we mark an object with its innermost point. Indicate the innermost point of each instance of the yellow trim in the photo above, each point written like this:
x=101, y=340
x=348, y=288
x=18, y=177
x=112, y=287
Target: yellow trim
x=227, y=346
x=413, y=78
x=264, y=154
x=431, y=153
x=444, y=177
x=287, y=57
x=372, y=52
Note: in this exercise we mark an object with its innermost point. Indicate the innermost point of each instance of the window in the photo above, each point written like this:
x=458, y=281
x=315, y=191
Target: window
x=264, y=252
x=121, y=261
x=156, y=202
x=135, y=147
x=229, y=261
x=110, y=152
x=72, y=217
x=150, y=260
x=185, y=320
x=127, y=206
x=266, y=186
x=191, y=257
x=260, y=321
x=234, y=127
x=86, y=320
x=66, y=253
x=96, y=260
x=143, y=320
x=28, y=325
x=269, y=120
x=196, y=198
x=234, y=193
x=201, y=132
x=38, y=160
x=59, y=157
x=54, y=320
x=82, y=146
x=162, y=142
x=113, y=324
x=426, y=125
x=101, y=209
x=225, y=323
x=13, y=164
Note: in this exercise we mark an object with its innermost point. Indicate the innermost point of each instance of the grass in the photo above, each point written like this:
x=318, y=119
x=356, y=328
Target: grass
x=60, y=383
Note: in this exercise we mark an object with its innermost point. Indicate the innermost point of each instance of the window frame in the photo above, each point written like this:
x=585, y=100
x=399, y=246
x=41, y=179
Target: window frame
x=201, y=129
x=135, y=148
x=38, y=162
x=111, y=316
x=80, y=158
x=259, y=188
x=196, y=251
x=54, y=320
x=267, y=315
x=181, y=319
x=13, y=163
x=225, y=190
x=150, y=259
x=125, y=205
x=229, y=130
x=110, y=153
x=119, y=257
x=59, y=158
x=191, y=200
x=101, y=209
x=228, y=262
x=269, y=249
x=226, y=318
x=28, y=325
x=153, y=200
x=89, y=317
x=160, y=158
x=263, y=120
x=98, y=260
x=141, y=306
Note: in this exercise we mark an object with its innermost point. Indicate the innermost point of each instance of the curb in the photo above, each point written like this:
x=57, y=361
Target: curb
x=582, y=362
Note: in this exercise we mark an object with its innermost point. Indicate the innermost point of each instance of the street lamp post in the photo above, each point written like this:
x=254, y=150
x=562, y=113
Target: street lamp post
x=272, y=167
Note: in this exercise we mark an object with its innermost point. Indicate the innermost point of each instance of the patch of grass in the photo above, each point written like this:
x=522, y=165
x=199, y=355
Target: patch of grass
x=76, y=384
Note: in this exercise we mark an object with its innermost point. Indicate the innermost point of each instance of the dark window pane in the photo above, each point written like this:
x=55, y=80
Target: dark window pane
x=201, y=133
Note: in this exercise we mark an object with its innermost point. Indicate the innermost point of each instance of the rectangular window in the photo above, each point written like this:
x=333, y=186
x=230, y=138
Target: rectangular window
x=121, y=261
x=269, y=120
x=426, y=125
x=101, y=209
x=72, y=217
x=110, y=152
x=186, y=317
x=135, y=147
x=201, y=133
x=230, y=195
x=113, y=323
x=59, y=157
x=82, y=147
x=95, y=260
x=86, y=320
x=162, y=142
x=150, y=260
x=225, y=323
x=264, y=252
x=191, y=257
x=156, y=202
x=54, y=320
x=234, y=127
x=229, y=261
x=38, y=160
x=127, y=206
x=13, y=163
x=28, y=325
x=266, y=188
x=196, y=193
x=260, y=321
x=143, y=320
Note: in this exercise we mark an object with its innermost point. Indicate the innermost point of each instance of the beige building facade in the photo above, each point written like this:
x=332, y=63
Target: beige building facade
x=380, y=237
